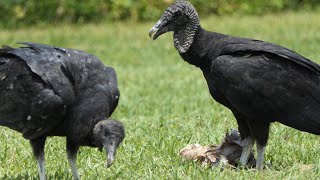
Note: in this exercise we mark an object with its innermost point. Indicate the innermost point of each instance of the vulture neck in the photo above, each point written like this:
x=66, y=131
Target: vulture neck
x=202, y=49
x=184, y=36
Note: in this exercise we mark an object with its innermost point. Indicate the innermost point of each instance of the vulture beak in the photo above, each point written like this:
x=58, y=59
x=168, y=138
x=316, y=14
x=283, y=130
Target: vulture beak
x=111, y=153
x=158, y=29
x=152, y=31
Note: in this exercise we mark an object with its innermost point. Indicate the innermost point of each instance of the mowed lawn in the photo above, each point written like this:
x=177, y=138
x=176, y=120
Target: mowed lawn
x=165, y=103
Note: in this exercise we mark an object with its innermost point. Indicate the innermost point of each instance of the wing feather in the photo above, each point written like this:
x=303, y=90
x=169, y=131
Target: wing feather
x=266, y=87
x=242, y=45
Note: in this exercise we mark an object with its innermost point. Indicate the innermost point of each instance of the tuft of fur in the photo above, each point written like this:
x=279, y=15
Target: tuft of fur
x=226, y=154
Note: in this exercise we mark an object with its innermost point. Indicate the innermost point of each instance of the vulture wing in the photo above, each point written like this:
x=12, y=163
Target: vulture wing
x=270, y=83
x=35, y=89
x=243, y=45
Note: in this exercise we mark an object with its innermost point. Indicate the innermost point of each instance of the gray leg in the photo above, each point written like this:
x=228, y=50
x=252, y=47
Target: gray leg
x=247, y=145
x=41, y=169
x=73, y=164
x=260, y=156
x=72, y=151
x=38, y=151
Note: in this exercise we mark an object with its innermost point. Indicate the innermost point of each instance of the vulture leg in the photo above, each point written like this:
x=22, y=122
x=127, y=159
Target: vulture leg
x=38, y=151
x=247, y=140
x=247, y=145
x=260, y=132
x=260, y=156
x=72, y=151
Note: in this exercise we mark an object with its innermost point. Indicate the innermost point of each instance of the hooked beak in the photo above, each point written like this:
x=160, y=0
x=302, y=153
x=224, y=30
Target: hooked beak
x=158, y=29
x=111, y=153
x=153, y=30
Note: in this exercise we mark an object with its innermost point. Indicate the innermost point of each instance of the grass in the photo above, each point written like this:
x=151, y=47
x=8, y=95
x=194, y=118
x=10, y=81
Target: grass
x=165, y=103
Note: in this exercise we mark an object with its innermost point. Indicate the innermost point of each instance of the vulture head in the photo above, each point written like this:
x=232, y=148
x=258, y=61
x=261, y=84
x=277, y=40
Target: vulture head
x=181, y=18
x=108, y=134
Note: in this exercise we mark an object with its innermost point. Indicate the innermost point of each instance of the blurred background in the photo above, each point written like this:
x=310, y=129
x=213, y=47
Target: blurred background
x=15, y=13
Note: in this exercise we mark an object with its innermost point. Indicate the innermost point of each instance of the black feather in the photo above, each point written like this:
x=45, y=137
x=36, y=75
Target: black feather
x=62, y=78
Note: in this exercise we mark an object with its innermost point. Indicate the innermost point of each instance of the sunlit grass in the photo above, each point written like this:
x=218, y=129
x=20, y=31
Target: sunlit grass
x=165, y=103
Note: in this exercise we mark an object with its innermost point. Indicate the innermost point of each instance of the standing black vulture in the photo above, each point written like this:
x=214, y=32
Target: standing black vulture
x=49, y=91
x=258, y=81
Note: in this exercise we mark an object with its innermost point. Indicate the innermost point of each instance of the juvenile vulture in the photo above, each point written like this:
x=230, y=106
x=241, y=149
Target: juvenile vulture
x=50, y=91
x=258, y=81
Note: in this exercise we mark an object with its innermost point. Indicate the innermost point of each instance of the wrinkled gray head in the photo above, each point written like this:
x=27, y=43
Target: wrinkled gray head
x=108, y=134
x=181, y=18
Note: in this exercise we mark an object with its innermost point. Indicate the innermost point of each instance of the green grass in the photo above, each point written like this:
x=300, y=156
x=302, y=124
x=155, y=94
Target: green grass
x=165, y=103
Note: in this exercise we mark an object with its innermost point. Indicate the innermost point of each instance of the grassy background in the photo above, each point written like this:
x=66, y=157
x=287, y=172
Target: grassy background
x=165, y=103
x=18, y=13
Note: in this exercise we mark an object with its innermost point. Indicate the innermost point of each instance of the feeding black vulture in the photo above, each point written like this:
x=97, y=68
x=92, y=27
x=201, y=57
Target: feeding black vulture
x=258, y=81
x=50, y=91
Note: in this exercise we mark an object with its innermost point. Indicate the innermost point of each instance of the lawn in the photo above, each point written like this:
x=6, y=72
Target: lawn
x=165, y=103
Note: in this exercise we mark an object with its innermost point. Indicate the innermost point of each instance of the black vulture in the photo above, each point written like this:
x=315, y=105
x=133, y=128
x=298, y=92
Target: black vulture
x=259, y=82
x=50, y=91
